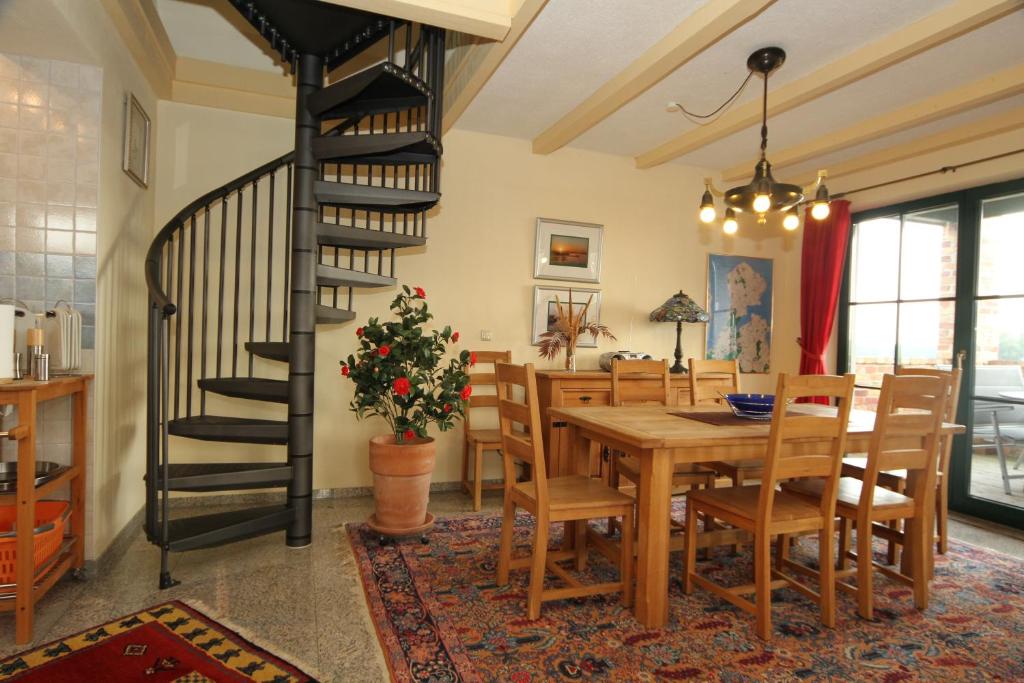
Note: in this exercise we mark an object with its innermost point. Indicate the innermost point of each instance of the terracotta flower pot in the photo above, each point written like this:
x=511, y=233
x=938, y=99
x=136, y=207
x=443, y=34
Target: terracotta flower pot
x=401, y=483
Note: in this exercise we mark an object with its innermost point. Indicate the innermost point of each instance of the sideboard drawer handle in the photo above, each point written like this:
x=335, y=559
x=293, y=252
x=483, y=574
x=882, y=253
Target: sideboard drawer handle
x=586, y=399
x=558, y=424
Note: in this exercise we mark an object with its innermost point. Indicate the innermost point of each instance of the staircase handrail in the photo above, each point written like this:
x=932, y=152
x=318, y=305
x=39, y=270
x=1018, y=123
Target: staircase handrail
x=160, y=298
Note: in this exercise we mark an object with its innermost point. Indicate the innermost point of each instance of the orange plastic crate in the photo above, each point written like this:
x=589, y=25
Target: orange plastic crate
x=47, y=542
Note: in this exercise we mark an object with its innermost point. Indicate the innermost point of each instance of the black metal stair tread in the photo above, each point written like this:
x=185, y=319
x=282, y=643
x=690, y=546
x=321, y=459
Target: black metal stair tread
x=226, y=476
x=381, y=84
x=346, y=236
x=329, y=276
x=373, y=197
x=412, y=147
x=328, y=315
x=203, y=531
x=232, y=429
x=254, y=388
x=271, y=350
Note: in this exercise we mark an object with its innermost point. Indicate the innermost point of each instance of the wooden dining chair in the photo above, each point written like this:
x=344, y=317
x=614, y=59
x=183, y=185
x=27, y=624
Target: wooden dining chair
x=576, y=498
x=798, y=446
x=910, y=411
x=854, y=466
x=648, y=382
x=476, y=441
x=709, y=379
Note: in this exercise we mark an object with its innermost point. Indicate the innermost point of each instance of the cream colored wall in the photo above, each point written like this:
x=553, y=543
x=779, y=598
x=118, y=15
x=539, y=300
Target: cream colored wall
x=125, y=226
x=477, y=268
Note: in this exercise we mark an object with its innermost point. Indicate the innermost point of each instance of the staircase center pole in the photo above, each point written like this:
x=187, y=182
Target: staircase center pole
x=302, y=325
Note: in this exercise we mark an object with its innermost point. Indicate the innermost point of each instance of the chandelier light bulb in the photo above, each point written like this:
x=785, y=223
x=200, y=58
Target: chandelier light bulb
x=820, y=207
x=820, y=211
x=792, y=220
x=707, y=206
x=729, y=225
x=762, y=203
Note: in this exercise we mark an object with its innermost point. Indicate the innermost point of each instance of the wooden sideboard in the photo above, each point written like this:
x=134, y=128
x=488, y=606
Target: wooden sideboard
x=563, y=389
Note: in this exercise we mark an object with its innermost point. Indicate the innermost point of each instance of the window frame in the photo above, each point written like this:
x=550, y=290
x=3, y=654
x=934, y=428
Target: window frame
x=968, y=202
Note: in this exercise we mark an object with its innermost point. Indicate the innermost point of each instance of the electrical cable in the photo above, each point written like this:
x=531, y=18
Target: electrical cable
x=690, y=115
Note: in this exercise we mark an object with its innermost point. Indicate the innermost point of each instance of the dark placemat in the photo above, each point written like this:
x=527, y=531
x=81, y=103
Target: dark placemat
x=718, y=418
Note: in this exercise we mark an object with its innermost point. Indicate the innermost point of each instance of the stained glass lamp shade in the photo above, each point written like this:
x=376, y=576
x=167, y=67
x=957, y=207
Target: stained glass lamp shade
x=679, y=309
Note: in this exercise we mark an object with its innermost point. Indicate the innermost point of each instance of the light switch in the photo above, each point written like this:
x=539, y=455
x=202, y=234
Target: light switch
x=486, y=335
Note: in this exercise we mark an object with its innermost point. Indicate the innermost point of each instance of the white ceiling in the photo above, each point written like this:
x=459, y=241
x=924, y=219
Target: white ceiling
x=214, y=31
x=575, y=46
x=552, y=70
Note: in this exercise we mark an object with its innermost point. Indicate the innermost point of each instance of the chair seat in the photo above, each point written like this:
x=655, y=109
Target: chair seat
x=849, y=494
x=686, y=472
x=576, y=492
x=742, y=501
x=486, y=436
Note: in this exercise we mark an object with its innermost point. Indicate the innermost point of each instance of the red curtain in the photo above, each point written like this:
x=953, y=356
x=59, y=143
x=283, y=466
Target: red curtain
x=821, y=271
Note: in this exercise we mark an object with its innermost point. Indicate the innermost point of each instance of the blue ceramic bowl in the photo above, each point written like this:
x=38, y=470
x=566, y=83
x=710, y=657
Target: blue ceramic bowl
x=760, y=404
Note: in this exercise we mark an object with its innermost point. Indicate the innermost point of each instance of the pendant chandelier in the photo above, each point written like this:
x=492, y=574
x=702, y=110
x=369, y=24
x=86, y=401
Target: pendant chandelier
x=764, y=194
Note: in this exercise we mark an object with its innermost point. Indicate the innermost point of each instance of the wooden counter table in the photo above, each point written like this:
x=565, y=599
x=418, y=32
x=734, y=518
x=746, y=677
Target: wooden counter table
x=30, y=586
x=658, y=439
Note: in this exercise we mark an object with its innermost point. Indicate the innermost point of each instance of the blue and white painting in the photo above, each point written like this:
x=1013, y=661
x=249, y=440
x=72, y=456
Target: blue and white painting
x=740, y=304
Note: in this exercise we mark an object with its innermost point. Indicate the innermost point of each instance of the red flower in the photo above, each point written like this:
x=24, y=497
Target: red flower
x=447, y=407
x=408, y=435
x=466, y=392
x=401, y=386
x=420, y=293
x=359, y=332
x=455, y=337
x=472, y=358
x=384, y=350
x=344, y=371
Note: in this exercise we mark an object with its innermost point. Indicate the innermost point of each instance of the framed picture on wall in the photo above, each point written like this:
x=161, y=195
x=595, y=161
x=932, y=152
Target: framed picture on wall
x=567, y=251
x=136, y=141
x=740, y=305
x=545, y=310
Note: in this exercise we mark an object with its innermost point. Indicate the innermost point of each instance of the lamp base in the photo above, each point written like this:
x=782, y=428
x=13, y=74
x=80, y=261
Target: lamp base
x=678, y=369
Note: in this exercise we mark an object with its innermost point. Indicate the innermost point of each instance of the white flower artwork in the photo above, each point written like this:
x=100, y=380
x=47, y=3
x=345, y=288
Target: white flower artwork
x=740, y=303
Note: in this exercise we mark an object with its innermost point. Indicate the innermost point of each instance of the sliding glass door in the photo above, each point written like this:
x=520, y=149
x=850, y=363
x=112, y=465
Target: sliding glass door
x=929, y=283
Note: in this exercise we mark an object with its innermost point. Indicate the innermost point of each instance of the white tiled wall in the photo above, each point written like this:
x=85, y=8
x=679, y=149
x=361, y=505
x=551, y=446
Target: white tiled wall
x=49, y=172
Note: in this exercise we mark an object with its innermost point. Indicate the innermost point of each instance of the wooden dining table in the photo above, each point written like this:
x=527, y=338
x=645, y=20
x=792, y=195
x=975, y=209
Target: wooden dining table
x=660, y=438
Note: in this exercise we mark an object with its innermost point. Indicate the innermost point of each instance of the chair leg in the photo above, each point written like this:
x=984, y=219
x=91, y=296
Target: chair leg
x=626, y=559
x=762, y=585
x=540, y=556
x=508, y=521
x=613, y=482
x=781, y=551
x=690, y=550
x=478, y=475
x=465, y=465
x=827, y=575
x=865, y=572
x=737, y=480
x=581, y=545
x=942, y=519
x=919, y=565
x=845, y=526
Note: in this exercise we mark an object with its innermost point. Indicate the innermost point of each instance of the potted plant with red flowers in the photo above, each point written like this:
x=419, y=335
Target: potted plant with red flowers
x=401, y=374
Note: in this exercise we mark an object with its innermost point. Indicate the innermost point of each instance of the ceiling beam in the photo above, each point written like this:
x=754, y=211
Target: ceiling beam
x=946, y=24
x=984, y=91
x=490, y=19
x=487, y=58
x=959, y=135
x=224, y=86
x=696, y=33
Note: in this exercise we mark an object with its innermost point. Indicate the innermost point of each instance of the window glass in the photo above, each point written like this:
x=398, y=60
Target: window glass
x=928, y=257
x=874, y=263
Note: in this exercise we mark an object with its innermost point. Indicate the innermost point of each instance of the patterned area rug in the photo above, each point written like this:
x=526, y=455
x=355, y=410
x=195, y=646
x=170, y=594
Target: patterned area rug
x=170, y=642
x=440, y=617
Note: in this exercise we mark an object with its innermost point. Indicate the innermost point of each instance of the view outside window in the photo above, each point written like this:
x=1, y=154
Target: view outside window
x=997, y=462
x=902, y=289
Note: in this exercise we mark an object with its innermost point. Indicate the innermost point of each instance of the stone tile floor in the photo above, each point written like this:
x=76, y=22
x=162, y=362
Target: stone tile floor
x=307, y=605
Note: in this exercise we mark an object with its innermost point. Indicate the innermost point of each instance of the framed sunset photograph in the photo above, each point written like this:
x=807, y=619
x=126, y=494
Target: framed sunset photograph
x=567, y=250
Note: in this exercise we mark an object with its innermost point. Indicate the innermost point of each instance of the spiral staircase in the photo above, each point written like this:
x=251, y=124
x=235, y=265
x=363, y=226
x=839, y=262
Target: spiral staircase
x=241, y=278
